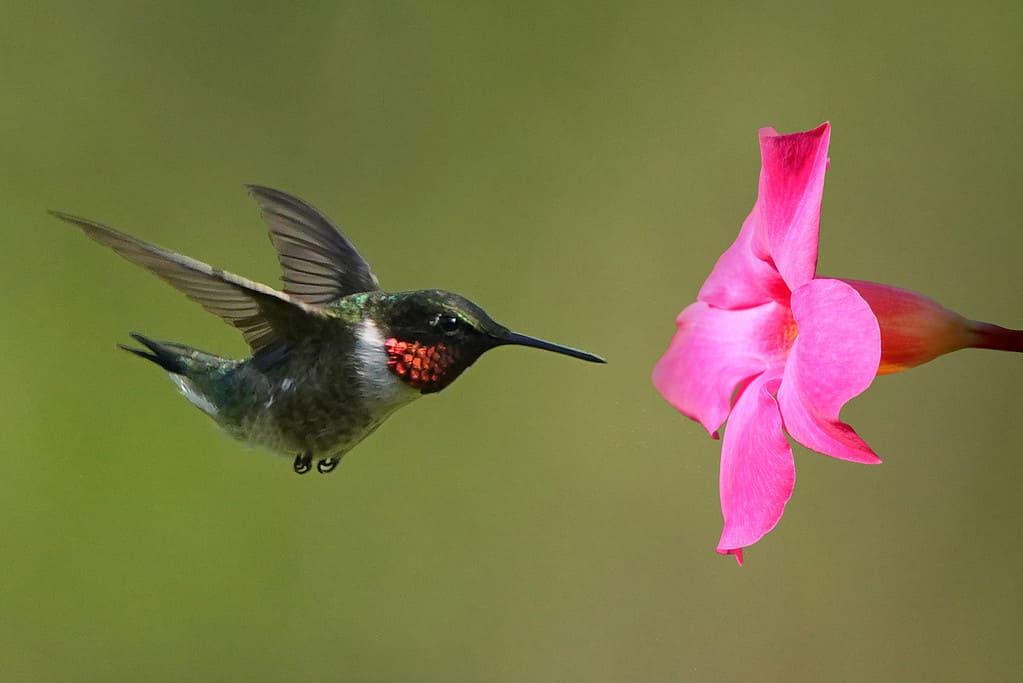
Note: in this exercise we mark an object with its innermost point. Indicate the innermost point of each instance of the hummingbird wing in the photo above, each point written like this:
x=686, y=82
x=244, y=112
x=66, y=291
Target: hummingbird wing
x=264, y=316
x=320, y=264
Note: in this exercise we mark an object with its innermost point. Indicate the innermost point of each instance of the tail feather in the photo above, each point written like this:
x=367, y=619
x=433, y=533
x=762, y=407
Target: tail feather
x=162, y=354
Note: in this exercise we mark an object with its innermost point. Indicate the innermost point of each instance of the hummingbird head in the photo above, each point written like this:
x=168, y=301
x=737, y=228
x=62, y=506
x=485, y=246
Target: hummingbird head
x=432, y=336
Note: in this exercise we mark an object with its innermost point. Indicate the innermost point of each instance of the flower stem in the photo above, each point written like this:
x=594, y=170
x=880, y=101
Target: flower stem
x=988, y=336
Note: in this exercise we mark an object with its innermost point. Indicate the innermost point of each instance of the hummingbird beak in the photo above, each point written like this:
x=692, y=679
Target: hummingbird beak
x=516, y=339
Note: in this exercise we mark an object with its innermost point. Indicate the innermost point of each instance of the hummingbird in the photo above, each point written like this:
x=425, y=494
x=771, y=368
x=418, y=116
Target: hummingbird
x=333, y=355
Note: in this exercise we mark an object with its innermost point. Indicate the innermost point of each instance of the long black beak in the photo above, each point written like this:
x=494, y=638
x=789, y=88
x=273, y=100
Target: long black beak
x=523, y=340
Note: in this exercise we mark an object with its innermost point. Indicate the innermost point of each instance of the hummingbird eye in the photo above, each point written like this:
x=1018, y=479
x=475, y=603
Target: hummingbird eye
x=448, y=324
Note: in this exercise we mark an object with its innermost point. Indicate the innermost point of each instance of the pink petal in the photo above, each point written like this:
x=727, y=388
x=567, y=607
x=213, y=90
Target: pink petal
x=776, y=250
x=789, y=201
x=834, y=358
x=757, y=471
x=714, y=351
x=740, y=278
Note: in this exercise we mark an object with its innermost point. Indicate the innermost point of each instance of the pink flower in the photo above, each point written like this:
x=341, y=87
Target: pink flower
x=790, y=347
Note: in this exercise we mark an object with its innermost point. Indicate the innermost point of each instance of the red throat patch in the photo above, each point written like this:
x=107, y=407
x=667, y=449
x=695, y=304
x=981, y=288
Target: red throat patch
x=419, y=365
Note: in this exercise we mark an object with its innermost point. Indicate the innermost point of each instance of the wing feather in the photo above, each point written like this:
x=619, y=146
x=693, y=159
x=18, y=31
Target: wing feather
x=320, y=265
x=264, y=316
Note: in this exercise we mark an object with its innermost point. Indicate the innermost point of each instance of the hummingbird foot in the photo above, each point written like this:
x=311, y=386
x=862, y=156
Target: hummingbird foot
x=303, y=463
x=327, y=465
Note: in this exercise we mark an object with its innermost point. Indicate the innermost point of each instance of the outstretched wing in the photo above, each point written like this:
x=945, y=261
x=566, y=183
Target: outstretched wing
x=264, y=316
x=320, y=264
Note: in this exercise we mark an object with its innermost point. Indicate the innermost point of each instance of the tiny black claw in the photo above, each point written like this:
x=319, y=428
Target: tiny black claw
x=327, y=465
x=303, y=463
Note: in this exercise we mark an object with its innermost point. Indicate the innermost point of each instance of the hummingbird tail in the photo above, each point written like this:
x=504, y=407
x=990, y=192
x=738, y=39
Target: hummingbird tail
x=163, y=355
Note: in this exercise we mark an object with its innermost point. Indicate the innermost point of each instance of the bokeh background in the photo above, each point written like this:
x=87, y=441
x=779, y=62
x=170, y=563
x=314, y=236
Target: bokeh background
x=576, y=170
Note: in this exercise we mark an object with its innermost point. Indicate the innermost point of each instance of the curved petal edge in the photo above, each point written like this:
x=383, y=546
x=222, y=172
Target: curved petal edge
x=757, y=471
x=834, y=358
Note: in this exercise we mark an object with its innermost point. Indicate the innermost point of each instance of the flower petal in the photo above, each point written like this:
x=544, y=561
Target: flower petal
x=716, y=350
x=757, y=471
x=834, y=358
x=740, y=278
x=789, y=201
x=776, y=250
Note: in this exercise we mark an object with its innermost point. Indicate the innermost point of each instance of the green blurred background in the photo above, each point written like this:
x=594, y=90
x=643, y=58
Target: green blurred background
x=576, y=170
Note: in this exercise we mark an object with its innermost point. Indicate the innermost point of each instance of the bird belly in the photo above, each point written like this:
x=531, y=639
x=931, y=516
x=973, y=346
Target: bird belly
x=313, y=405
x=290, y=421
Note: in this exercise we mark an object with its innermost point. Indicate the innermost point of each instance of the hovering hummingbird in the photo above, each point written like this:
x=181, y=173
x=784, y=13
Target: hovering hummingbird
x=332, y=355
